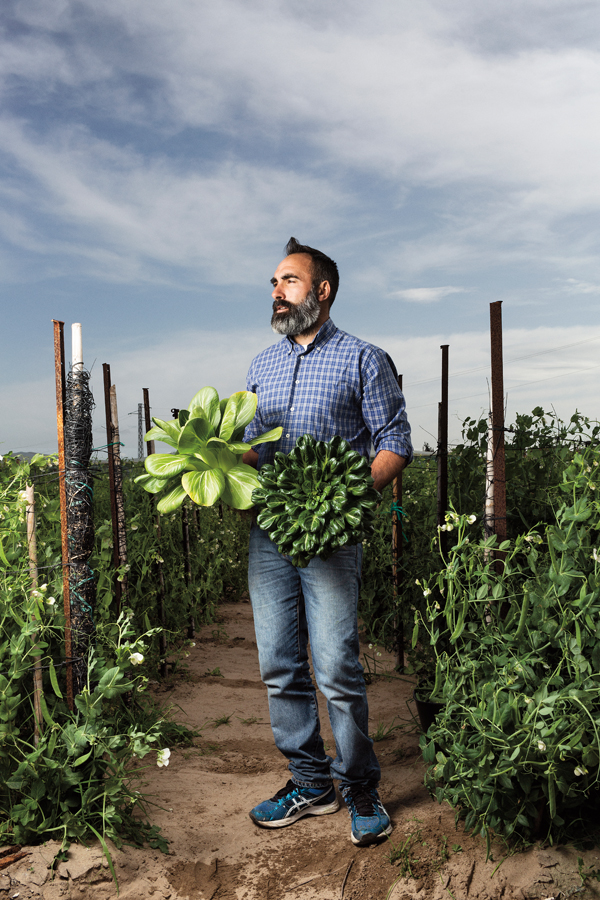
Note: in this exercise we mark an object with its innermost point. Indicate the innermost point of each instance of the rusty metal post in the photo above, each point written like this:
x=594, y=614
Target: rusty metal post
x=397, y=550
x=149, y=444
x=498, y=425
x=162, y=640
x=119, y=497
x=38, y=690
x=111, y=484
x=187, y=565
x=59, y=371
x=442, y=453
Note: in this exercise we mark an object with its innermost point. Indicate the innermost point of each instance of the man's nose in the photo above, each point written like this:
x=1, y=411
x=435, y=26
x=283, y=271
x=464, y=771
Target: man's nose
x=278, y=292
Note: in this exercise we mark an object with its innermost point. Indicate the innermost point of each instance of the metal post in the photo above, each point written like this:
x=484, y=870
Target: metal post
x=397, y=550
x=442, y=452
x=149, y=444
x=498, y=425
x=119, y=497
x=140, y=432
x=59, y=371
x=117, y=562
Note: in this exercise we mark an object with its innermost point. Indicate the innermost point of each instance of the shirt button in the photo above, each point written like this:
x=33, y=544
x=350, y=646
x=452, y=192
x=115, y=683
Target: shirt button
x=291, y=409
x=287, y=435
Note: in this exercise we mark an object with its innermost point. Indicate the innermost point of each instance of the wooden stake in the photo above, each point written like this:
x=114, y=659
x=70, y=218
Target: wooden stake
x=59, y=371
x=498, y=427
x=162, y=640
x=38, y=689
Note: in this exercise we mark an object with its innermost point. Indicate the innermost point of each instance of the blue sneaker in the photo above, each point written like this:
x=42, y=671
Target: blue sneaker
x=291, y=803
x=370, y=821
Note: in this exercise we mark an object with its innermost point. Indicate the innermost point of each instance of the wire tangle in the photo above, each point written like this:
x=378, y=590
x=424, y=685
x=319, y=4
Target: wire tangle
x=80, y=524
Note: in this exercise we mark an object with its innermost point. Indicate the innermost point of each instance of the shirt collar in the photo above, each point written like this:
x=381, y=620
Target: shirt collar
x=324, y=334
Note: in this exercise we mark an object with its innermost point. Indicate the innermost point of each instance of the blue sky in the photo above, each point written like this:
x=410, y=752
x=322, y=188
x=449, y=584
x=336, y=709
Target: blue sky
x=156, y=156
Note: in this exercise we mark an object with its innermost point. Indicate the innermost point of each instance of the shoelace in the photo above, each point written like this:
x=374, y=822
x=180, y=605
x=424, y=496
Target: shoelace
x=285, y=791
x=362, y=801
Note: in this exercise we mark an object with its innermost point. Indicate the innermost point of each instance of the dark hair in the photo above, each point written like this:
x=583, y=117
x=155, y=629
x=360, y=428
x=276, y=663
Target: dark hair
x=323, y=268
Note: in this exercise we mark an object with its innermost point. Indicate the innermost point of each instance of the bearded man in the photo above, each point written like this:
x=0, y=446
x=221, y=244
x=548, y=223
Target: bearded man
x=320, y=381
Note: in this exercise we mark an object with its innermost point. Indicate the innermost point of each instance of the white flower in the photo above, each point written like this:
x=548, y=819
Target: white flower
x=50, y=601
x=444, y=527
x=162, y=757
x=192, y=643
x=44, y=587
x=580, y=770
x=426, y=592
x=595, y=556
x=1, y=458
x=370, y=646
x=36, y=594
x=541, y=746
x=136, y=659
x=472, y=519
x=417, y=581
x=449, y=527
x=528, y=699
x=591, y=486
x=378, y=653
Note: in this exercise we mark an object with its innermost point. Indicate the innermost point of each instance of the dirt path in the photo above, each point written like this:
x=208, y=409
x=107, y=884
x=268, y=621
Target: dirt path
x=216, y=853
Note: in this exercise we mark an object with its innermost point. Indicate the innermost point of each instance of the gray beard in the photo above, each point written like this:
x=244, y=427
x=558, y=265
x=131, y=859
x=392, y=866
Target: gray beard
x=301, y=317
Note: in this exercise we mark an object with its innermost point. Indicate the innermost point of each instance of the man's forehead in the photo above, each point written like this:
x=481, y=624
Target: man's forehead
x=296, y=264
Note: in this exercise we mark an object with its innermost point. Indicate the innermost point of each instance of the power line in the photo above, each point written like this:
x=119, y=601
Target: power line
x=513, y=387
x=514, y=359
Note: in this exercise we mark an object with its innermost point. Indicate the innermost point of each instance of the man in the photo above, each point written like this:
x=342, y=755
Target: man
x=324, y=382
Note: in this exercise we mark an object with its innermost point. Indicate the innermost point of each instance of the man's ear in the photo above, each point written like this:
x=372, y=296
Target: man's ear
x=324, y=291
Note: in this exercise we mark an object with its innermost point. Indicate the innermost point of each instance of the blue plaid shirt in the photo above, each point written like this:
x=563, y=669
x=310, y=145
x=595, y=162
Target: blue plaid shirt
x=337, y=385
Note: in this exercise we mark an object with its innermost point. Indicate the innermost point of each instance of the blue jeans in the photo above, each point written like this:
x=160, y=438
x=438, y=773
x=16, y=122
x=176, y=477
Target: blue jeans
x=290, y=606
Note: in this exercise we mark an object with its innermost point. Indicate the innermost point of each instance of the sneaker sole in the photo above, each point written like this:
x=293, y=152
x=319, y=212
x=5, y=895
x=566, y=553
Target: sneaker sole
x=308, y=811
x=371, y=838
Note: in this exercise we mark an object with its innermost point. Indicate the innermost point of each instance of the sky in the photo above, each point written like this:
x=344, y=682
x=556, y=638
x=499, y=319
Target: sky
x=156, y=155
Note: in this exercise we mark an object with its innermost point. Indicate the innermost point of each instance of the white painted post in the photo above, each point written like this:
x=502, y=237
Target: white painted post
x=77, y=348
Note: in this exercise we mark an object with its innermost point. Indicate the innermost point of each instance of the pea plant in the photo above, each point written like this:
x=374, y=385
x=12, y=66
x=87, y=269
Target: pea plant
x=67, y=775
x=515, y=748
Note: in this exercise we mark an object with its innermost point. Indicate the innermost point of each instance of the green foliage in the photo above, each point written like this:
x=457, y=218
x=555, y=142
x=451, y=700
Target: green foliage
x=316, y=499
x=208, y=463
x=69, y=774
x=516, y=747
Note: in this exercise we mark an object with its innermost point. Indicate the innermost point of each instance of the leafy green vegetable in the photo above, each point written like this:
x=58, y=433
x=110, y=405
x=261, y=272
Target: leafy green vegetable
x=316, y=499
x=208, y=464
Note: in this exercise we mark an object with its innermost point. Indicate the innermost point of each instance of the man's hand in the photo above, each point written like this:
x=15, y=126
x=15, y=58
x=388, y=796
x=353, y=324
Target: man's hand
x=385, y=467
x=250, y=457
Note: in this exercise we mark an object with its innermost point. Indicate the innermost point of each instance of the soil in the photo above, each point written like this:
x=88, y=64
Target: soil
x=216, y=853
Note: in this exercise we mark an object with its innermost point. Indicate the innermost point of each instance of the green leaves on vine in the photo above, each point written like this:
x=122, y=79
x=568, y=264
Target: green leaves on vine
x=316, y=499
x=208, y=463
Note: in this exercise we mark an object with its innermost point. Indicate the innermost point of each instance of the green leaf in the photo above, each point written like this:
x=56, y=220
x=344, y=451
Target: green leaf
x=240, y=481
x=150, y=483
x=239, y=412
x=226, y=459
x=206, y=403
x=158, y=434
x=194, y=435
x=171, y=501
x=171, y=427
x=164, y=465
x=204, y=488
x=207, y=456
x=273, y=435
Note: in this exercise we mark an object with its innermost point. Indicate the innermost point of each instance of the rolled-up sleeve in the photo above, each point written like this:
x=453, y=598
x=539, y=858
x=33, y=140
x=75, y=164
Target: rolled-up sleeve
x=384, y=407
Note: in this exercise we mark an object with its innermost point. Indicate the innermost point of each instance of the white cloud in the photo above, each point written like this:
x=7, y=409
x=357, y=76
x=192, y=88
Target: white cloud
x=426, y=295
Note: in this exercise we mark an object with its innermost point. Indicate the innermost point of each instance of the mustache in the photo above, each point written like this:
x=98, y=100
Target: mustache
x=285, y=303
